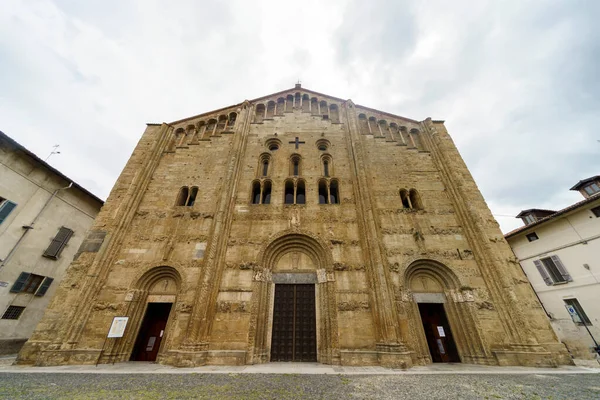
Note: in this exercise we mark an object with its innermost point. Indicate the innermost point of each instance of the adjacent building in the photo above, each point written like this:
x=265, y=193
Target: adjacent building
x=43, y=219
x=295, y=227
x=560, y=254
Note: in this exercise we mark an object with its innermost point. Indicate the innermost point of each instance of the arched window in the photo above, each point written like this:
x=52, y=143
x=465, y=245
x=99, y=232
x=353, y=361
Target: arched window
x=289, y=192
x=265, y=167
x=182, y=197
x=372, y=124
x=266, y=193
x=256, y=192
x=192, y=197
x=297, y=100
x=314, y=106
x=416, y=139
x=201, y=129
x=210, y=128
x=300, y=192
x=334, y=114
x=270, y=109
x=404, y=198
x=363, y=124
x=222, y=122
x=179, y=137
x=260, y=113
x=323, y=192
x=305, y=103
x=334, y=194
x=403, y=132
x=323, y=108
x=382, y=127
x=280, y=106
x=289, y=103
x=325, y=167
x=415, y=199
x=393, y=131
x=232, y=118
x=295, y=167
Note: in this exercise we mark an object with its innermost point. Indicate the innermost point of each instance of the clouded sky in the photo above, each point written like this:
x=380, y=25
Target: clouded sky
x=518, y=82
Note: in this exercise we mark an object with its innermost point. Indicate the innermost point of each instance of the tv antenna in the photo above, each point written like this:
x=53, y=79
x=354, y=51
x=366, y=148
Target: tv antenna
x=54, y=151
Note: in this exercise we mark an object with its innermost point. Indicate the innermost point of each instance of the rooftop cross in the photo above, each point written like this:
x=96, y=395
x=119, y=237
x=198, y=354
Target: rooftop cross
x=297, y=142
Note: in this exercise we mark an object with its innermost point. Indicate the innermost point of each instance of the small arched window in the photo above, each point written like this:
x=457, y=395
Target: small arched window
x=404, y=198
x=305, y=103
x=323, y=108
x=334, y=114
x=325, y=167
x=289, y=192
x=182, y=197
x=192, y=198
x=300, y=192
x=266, y=193
x=231, y=121
x=334, y=194
x=222, y=122
x=363, y=124
x=260, y=113
x=314, y=106
x=415, y=199
x=297, y=100
x=179, y=137
x=270, y=109
x=210, y=128
x=323, y=195
x=280, y=106
x=255, y=192
x=295, y=167
x=289, y=103
x=265, y=167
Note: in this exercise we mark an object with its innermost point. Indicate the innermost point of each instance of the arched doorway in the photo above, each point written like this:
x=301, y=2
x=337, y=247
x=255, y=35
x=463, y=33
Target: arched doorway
x=442, y=322
x=293, y=315
x=154, y=299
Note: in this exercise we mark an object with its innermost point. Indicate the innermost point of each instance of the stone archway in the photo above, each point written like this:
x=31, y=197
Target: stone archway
x=157, y=285
x=293, y=256
x=431, y=282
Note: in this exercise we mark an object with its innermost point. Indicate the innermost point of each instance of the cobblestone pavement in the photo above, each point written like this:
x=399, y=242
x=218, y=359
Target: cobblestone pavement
x=292, y=386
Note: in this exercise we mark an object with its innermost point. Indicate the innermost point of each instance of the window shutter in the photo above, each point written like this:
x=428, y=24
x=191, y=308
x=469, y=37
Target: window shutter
x=20, y=282
x=58, y=243
x=44, y=286
x=6, y=208
x=561, y=268
x=543, y=272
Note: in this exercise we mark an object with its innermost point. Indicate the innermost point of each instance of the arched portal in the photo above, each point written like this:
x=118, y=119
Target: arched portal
x=293, y=264
x=442, y=319
x=151, y=313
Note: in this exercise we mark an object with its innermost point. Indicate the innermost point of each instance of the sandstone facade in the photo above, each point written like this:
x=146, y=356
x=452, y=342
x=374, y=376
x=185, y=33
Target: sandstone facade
x=403, y=225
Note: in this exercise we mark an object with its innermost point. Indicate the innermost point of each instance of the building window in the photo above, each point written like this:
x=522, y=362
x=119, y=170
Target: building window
x=294, y=192
x=261, y=192
x=187, y=196
x=410, y=199
x=532, y=236
x=329, y=192
x=582, y=315
x=529, y=219
x=596, y=211
x=31, y=283
x=552, y=270
x=13, y=312
x=58, y=243
x=6, y=207
x=592, y=188
x=295, y=167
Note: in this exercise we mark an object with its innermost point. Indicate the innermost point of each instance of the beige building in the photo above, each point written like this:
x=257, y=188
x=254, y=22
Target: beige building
x=560, y=254
x=43, y=219
x=296, y=227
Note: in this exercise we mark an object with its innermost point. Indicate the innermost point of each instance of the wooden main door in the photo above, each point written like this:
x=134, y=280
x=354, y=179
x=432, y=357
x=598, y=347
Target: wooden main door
x=151, y=332
x=294, y=323
x=437, y=331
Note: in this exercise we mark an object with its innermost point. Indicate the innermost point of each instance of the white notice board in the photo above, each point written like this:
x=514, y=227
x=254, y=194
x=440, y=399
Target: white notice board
x=117, y=329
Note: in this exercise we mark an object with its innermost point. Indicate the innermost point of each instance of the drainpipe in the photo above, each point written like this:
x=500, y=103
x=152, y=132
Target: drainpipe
x=27, y=228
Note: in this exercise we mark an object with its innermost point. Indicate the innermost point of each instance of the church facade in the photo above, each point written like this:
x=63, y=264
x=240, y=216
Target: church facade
x=296, y=227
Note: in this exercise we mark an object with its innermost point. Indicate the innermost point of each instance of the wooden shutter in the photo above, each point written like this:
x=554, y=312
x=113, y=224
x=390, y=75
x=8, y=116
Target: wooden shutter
x=20, y=282
x=44, y=286
x=543, y=272
x=561, y=268
x=58, y=243
x=6, y=208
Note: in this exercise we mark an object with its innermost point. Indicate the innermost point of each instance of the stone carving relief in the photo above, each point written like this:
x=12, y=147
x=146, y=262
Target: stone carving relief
x=263, y=275
x=321, y=276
